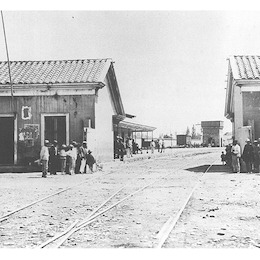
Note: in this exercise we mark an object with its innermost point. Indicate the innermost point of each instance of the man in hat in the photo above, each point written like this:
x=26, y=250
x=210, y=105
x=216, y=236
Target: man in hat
x=152, y=146
x=53, y=158
x=70, y=157
x=121, y=149
x=236, y=154
x=74, y=156
x=256, y=156
x=83, y=151
x=63, y=156
x=44, y=158
x=248, y=155
x=128, y=146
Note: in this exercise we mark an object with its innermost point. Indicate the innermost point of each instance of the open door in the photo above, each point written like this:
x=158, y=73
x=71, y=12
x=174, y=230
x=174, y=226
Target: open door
x=7, y=140
x=55, y=129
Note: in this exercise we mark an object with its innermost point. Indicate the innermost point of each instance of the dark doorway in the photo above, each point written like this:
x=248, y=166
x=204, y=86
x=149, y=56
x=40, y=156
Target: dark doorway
x=7, y=140
x=55, y=129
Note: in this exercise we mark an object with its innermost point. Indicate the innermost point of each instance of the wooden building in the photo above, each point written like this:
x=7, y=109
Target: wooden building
x=62, y=100
x=242, y=104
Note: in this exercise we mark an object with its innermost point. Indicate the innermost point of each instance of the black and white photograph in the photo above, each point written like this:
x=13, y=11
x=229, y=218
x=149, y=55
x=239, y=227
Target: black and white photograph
x=129, y=129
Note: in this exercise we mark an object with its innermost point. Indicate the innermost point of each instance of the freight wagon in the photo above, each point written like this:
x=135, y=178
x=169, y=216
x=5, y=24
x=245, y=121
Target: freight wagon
x=183, y=140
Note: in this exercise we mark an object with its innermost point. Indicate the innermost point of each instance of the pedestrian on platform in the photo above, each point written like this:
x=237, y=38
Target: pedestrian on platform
x=152, y=146
x=131, y=146
x=128, y=147
x=44, y=158
x=236, y=155
x=63, y=156
x=53, y=162
x=134, y=146
x=116, y=145
x=160, y=146
x=78, y=160
x=229, y=155
x=90, y=160
x=83, y=151
x=248, y=155
x=163, y=146
x=223, y=158
x=74, y=156
x=70, y=156
x=256, y=156
x=121, y=149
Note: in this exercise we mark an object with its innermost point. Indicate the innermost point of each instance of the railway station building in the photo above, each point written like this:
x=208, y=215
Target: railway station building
x=242, y=105
x=63, y=100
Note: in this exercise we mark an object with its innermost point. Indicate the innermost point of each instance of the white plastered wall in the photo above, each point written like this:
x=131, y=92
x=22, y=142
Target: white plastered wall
x=238, y=111
x=101, y=140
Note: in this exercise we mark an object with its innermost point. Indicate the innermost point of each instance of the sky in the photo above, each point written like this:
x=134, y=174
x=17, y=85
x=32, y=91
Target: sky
x=171, y=66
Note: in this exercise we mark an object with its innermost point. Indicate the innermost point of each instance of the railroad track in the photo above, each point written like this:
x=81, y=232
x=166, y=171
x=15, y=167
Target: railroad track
x=60, y=238
x=172, y=221
x=78, y=224
x=9, y=214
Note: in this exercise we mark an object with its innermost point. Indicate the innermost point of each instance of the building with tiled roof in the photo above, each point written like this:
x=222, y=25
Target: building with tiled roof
x=242, y=103
x=61, y=100
x=54, y=72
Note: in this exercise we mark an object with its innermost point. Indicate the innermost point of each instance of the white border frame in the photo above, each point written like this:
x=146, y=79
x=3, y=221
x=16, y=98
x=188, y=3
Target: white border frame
x=43, y=115
x=15, y=134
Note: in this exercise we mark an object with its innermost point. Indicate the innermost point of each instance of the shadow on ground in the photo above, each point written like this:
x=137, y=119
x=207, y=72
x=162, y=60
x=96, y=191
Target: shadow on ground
x=213, y=168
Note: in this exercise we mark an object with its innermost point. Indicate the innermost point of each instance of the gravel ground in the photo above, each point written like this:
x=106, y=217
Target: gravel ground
x=221, y=213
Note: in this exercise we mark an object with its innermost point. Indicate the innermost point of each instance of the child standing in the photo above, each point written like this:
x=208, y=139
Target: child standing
x=223, y=158
x=90, y=160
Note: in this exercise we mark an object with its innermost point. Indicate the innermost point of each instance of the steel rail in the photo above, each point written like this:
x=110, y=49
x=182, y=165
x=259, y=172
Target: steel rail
x=61, y=234
x=71, y=227
x=171, y=222
x=90, y=219
x=6, y=216
x=93, y=218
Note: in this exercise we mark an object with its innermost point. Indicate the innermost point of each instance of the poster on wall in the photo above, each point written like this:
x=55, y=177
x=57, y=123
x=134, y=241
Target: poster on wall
x=26, y=112
x=29, y=134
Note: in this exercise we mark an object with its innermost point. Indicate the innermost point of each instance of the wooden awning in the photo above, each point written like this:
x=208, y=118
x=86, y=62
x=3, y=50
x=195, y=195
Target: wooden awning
x=135, y=127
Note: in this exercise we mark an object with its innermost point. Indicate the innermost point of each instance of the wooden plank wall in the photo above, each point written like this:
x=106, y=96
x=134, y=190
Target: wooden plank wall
x=80, y=109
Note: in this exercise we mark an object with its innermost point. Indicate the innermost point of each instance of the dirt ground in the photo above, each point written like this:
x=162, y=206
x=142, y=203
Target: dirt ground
x=222, y=213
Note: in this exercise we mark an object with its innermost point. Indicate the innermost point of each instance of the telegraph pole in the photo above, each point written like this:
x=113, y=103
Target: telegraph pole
x=8, y=63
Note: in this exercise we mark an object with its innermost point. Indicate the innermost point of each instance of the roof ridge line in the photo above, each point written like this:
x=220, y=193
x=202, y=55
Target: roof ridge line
x=57, y=60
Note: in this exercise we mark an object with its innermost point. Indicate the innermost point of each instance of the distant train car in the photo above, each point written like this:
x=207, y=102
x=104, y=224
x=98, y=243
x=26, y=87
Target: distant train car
x=184, y=140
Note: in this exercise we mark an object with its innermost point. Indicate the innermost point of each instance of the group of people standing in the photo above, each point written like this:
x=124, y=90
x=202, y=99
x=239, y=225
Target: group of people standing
x=128, y=148
x=71, y=159
x=160, y=145
x=250, y=156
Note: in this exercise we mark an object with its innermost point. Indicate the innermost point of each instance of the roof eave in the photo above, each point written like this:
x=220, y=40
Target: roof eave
x=90, y=85
x=240, y=82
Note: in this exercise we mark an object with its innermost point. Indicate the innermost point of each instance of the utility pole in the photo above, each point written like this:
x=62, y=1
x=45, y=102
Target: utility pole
x=8, y=63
